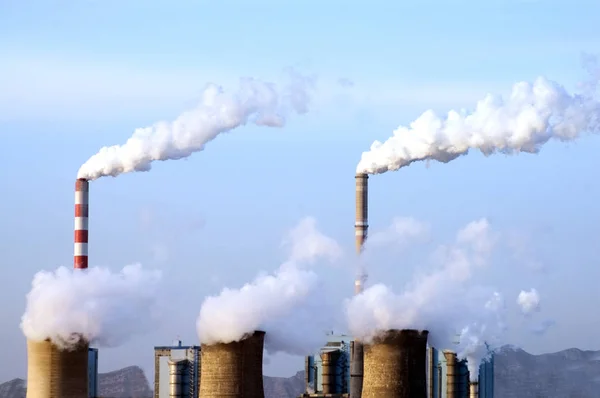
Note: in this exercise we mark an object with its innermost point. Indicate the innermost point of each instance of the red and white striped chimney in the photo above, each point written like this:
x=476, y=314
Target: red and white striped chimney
x=82, y=194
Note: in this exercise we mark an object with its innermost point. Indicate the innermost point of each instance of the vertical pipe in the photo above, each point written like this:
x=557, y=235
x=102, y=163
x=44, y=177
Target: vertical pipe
x=473, y=389
x=431, y=371
x=361, y=226
x=82, y=192
x=451, y=374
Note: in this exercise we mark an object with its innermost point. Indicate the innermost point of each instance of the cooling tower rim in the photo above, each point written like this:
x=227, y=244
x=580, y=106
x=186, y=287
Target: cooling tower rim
x=176, y=361
x=81, y=343
x=393, y=334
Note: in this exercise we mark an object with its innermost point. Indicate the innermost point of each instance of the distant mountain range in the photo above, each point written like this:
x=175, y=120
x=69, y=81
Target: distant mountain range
x=570, y=373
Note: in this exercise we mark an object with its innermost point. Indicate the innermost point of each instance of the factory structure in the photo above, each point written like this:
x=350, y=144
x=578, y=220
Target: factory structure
x=176, y=371
x=395, y=364
x=327, y=372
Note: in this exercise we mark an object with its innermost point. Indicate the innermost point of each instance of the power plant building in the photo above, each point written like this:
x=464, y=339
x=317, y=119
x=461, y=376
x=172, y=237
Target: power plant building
x=437, y=373
x=335, y=355
x=452, y=381
x=176, y=371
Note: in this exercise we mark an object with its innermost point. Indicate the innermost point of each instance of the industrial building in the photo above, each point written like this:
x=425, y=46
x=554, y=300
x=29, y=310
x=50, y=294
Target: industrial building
x=93, y=373
x=438, y=381
x=176, y=371
x=337, y=348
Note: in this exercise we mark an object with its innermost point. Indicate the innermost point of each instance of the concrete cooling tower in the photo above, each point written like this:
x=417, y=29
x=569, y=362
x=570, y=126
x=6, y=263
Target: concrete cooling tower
x=233, y=370
x=394, y=365
x=54, y=373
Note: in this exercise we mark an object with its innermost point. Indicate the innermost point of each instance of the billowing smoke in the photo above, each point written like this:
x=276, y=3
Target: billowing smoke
x=219, y=111
x=478, y=339
x=530, y=304
x=285, y=304
x=529, y=301
x=100, y=306
x=439, y=301
x=532, y=115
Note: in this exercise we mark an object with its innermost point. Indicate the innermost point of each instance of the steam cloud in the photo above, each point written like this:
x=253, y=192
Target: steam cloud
x=439, y=301
x=283, y=304
x=255, y=101
x=529, y=301
x=100, y=306
x=532, y=115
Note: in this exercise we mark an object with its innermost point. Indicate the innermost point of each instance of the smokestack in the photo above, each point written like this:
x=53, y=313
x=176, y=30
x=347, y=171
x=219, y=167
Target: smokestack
x=82, y=194
x=451, y=375
x=474, y=389
x=361, y=225
x=54, y=373
x=233, y=370
x=395, y=365
x=177, y=378
x=329, y=363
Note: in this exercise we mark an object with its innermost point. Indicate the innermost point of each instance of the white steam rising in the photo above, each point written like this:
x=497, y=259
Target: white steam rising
x=529, y=301
x=439, y=301
x=533, y=114
x=285, y=304
x=255, y=101
x=103, y=307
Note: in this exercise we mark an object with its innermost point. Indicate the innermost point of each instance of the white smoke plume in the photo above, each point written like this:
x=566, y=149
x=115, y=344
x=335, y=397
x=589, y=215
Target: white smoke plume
x=219, y=111
x=478, y=339
x=541, y=328
x=284, y=304
x=532, y=115
x=439, y=301
x=529, y=301
x=100, y=306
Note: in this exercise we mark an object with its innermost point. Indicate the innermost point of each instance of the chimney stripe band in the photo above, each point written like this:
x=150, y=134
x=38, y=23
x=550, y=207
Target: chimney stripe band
x=81, y=235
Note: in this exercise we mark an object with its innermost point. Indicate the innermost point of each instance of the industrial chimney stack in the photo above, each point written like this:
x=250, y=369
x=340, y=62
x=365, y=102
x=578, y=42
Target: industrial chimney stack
x=361, y=226
x=395, y=365
x=451, y=375
x=55, y=373
x=233, y=370
x=82, y=194
x=473, y=389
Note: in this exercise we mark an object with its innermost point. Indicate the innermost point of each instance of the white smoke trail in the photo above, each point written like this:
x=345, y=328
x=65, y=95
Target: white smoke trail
x=533, y=114
x=103, y=307
x=440, y=301
x=255, y=101
x=480, y=338
x=285, y=304
x=529, y=301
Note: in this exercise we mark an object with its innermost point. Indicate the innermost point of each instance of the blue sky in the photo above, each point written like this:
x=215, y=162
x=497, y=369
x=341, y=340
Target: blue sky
x=76, y=76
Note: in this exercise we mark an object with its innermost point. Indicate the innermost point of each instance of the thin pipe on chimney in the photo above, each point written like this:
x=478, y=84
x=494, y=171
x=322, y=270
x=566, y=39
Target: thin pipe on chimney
x=82, y=194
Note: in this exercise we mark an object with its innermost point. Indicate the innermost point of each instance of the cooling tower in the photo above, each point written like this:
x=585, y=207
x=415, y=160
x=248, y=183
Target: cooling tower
x=473, y=389
x=329, y=370
x=54, y=373
x=82, y=193
x=233, y=370
x=451, y=375
x=395, y=365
